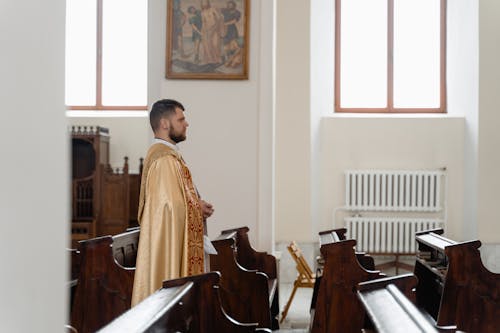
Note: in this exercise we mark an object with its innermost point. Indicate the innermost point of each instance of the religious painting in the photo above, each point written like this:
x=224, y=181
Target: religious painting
x=207, y=39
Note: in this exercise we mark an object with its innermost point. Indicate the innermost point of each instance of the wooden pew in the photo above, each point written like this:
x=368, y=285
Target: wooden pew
x=264, y=262
x=248, y=288
x=389, y=309
x=336, y=307
x=454, y=286
x=248, y=257
x=334, y=235
x=105, y=280
x=188, y=304
x=330, y=236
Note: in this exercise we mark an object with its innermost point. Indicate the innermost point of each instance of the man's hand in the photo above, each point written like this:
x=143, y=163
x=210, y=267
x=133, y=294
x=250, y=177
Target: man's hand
x=206, y=208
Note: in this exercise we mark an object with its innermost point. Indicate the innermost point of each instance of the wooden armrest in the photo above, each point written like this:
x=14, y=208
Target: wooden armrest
x=148, y=313
x=227, y=235
x=405, y=279
x=405, y=282
x=340, y=232
x=332, y=236
x=390, y=311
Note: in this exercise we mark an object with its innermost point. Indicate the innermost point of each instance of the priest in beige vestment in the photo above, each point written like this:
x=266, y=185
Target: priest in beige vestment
x=171, y=214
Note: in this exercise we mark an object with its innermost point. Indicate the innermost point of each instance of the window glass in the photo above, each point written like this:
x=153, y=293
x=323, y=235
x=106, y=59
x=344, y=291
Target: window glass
x=390, y=56
x=416, y=53
x=364, y=54
x=106, y=56
x=81, y=28
x=124, y=57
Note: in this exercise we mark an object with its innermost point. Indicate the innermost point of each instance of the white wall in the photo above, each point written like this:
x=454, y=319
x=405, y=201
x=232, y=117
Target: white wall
x=462, y=90
x=322, y=97
x=406, y=142
x=34, y=195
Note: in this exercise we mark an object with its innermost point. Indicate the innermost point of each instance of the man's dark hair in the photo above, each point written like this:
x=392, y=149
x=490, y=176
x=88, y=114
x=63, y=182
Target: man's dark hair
x=161, y=109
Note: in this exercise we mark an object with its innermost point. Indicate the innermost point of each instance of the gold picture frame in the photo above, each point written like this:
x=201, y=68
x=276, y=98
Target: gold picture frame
x=207, y=39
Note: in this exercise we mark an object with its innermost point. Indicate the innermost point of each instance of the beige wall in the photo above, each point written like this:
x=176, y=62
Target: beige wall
x=489, y=120
x=34, y=197
x=293, y=151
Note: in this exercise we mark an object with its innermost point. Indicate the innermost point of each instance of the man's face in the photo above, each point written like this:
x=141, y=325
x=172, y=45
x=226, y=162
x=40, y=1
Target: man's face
x=178, y=126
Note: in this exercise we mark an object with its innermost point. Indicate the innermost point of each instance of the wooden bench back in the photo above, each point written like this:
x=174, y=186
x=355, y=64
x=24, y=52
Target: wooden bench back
x=337, y=308
x=244, y=292
x=188, y=304
x=104, y=288
x=247, y=256
x=336, y=235
x=471, y=294
x=125, y=247
x=305, y=272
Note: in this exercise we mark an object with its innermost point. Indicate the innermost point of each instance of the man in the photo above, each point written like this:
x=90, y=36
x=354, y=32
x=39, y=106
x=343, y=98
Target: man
x=195, y=22
x=179, y=18
x=232, y=49
x=171, y=214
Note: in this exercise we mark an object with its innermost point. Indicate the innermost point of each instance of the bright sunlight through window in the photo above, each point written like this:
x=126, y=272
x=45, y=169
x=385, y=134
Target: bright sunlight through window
x=106, y=54
x=390, y=56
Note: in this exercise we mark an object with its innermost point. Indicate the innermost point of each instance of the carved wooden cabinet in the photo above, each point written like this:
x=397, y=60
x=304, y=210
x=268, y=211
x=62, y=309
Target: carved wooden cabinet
x=102, y=198
x=89, y=149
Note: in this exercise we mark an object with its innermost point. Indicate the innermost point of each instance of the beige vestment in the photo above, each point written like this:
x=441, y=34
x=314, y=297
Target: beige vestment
x=171, y=220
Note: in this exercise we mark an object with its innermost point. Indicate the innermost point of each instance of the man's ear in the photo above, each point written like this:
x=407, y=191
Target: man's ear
x=165, y=123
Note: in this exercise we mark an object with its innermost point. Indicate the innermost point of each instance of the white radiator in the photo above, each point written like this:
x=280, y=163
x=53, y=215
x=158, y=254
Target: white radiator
x=387, y=235
x=379, y=190
x=397, y=204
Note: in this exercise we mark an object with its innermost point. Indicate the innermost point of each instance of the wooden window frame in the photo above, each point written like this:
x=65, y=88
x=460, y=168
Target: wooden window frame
x=390, y=66
x=99, y=106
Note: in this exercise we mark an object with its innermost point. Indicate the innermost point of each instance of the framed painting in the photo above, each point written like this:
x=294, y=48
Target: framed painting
x=207, y=39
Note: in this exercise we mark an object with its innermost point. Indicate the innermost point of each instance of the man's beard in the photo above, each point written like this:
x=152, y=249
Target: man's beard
x=177, y=137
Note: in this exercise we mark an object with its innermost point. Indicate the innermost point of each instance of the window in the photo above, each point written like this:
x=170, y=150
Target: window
x=106, y=54
x=390, y=55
